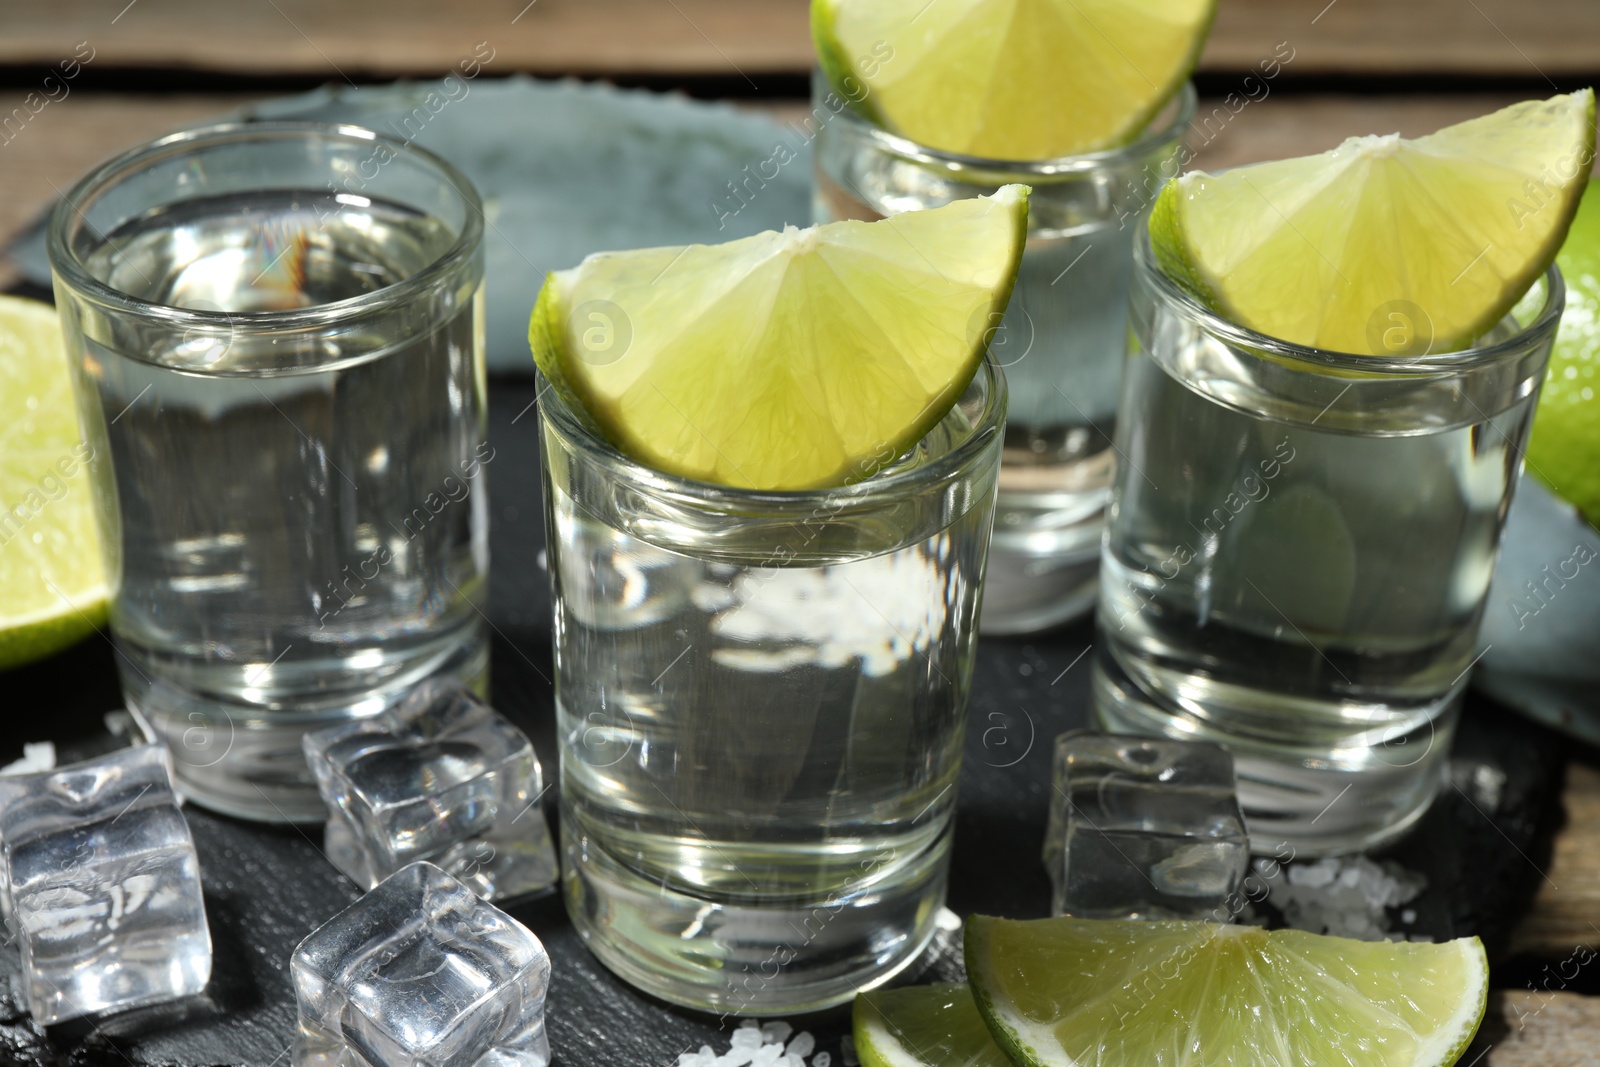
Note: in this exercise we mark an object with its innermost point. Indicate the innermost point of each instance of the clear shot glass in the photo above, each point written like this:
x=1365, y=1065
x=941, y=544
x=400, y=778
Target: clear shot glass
x=1299, y=552
x=277, y=336
x=1061, y=342
x=761, y=699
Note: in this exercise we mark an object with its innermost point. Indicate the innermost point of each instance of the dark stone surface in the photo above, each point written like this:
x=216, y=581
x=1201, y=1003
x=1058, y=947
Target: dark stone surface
x=267, y=887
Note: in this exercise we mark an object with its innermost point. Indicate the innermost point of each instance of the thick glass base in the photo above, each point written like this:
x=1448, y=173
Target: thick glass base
x=1044, y=555
x=244, y=759
x=1309, y=799
x=1024, y=593
x=756, y=956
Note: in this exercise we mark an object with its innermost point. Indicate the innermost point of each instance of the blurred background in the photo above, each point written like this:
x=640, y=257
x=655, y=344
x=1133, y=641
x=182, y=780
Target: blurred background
x=147, y=66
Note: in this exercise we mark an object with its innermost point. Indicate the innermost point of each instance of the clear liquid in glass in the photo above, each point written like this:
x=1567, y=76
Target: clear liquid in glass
x=286, y=539
x=1306, y=594
x=759, y=761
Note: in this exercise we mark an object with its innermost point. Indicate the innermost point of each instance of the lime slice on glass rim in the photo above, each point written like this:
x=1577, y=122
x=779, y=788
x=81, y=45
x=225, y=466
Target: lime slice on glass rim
x=52, y=583
x=783, y=361
x=1010, y=79
x=1564, y=450
x=1384, y=246
x=923, y=1026
x=1079, y=992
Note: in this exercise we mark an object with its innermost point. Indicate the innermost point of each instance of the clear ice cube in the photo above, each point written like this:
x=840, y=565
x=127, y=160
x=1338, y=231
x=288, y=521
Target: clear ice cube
x=422, y=972
x=442, y=777
x=1144, y=828
x=102, y=886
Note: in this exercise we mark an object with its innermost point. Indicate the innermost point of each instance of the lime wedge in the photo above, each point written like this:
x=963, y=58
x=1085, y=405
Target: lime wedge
x=52, y=585
x=1565, y=447
x=1074, y=992
x=785, y=360
x=1384, y=246
x=1010, y=79
x=924, y=1026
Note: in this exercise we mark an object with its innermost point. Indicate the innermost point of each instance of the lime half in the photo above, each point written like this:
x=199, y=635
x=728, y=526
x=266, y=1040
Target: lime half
x=1076, y=992
x=1565, y=447
x=1384, y=246
x=924, y=1026
x=52, y=585
x=1010, y=79
x=788, y=360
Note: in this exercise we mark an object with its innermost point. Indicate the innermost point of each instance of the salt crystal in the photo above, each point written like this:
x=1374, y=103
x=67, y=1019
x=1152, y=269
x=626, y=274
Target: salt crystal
x=1313, y=876
x=1347, y=897
x=802, y=1044
x=822, y=1059
x=777, y=1030
x=767, y=1056
x=36, y=756
x=847, y=1051
x=747, y=1036
x=737, y=1056
x=791, y=1061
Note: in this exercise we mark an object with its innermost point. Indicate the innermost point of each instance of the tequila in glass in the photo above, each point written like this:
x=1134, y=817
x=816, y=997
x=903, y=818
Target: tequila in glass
x=761, y=703
x=1061, y=341
x=277, y=334
x=1299, y=551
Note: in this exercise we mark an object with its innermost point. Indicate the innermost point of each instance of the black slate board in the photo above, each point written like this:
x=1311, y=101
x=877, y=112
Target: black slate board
x=266, y=887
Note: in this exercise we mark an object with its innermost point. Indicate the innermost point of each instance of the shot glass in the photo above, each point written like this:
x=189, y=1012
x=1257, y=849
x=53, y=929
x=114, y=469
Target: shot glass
x=276, y=331
x=1061, y=341
x=1300, y=547
x=761, y=699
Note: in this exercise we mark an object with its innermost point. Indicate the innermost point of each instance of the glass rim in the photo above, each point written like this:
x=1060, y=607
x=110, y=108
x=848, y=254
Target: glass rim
x=1461, y=360
x=987, y=428
x=1151, y=138
x=66, y=264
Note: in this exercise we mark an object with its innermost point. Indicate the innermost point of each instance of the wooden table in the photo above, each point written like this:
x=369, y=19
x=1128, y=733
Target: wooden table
x=1358, y=66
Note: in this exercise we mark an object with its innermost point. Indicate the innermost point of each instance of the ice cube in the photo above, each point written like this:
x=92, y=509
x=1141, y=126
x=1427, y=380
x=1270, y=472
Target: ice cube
x=1145, y=828
x=421, y=972
x=102, y=886
x=441, y=777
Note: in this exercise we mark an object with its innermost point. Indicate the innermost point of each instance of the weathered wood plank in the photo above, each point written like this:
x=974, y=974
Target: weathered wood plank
x=1521, y=1029
x=66, y=138
x=748, y=38
x=1566, y=911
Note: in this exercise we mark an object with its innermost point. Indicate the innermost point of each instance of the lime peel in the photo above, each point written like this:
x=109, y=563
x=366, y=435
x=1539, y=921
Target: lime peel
x=784, y=361
x=52, y=584
x=1011, y=79
x=1384, y=246
x=1070, y=992
x=923, y=1026
x=1564, y=449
